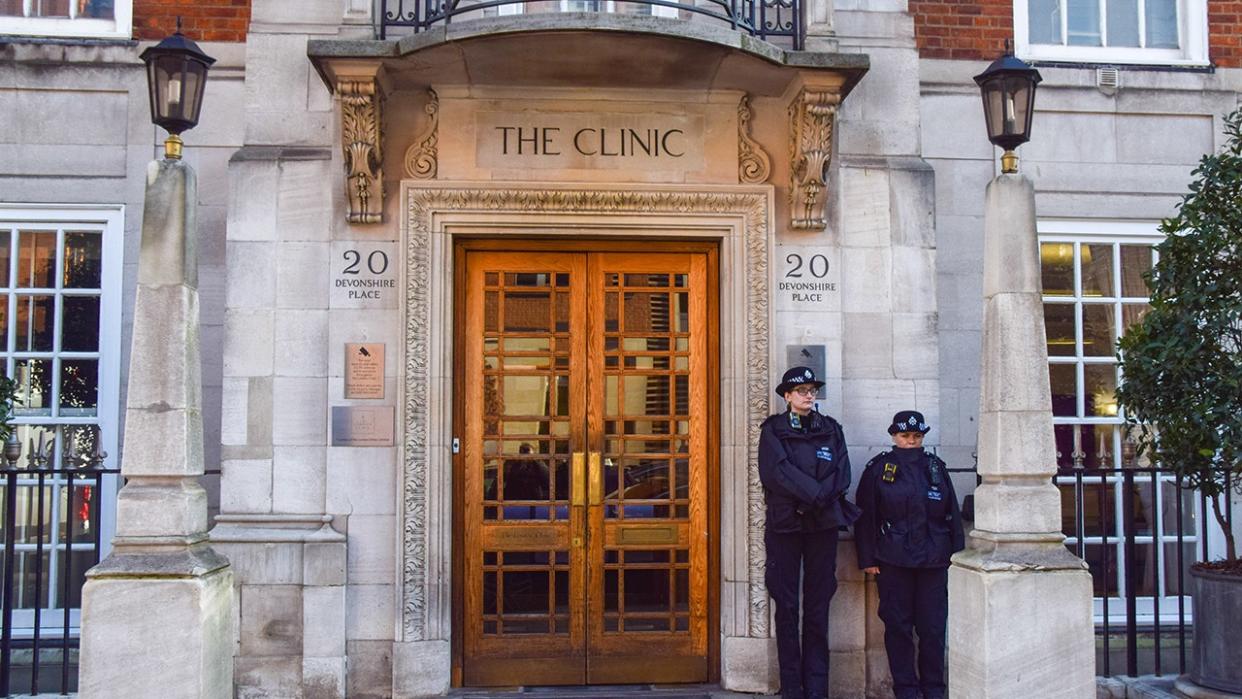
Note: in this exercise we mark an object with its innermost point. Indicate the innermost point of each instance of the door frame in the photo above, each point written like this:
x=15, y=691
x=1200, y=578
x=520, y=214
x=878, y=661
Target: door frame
x=466, y=244
x=434, y=215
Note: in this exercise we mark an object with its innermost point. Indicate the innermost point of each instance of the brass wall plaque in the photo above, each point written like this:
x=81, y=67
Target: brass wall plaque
x=647, y=535
x=363, y=425
x=364, y=370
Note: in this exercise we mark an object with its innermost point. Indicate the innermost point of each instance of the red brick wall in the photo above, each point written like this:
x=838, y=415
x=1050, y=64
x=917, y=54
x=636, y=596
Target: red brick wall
x=201, y=20
x=977, y=29
x=966, y=29
x=1225, y=32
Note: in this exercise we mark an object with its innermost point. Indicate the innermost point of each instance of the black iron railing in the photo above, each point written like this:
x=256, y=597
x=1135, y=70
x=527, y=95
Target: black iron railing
x=782, y=21
x=1132, y=517
x=1123, y=522
x=45, y=558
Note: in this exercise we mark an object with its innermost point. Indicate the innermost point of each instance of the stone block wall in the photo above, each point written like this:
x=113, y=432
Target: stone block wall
x=201, y=20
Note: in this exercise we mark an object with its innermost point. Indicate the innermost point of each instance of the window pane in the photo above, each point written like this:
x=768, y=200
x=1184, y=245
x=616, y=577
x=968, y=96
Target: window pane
x=1123, y=23
x=34, y=387
x=1162, y=24
x=1044, y=18
x=36, y=262
x=1084, y=22
x=1135, y=260
x=1132, y=313
x=1059, y=325
x=11, y=8
x=36, y=320
x=1097, y=330
x=82, y=260
x=79, y=387
x=1173, y=583
x=99, y=9
x=4, y=251
x=80, y=324
x=4, y=322
x=1064, y=379
x=49, y=8
x=1097, y=270
x=1101, y=390
x=1056, y=261
x=1096, y=445
x=1064, y=435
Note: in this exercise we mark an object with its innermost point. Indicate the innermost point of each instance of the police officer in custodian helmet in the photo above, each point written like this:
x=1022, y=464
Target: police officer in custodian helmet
x=805, y=471
x=910, y=525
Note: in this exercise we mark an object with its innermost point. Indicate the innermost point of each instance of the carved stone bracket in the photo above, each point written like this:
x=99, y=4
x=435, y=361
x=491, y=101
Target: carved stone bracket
x=753, y=164
x=812, y=116
x=361, y=131
x=421, y=156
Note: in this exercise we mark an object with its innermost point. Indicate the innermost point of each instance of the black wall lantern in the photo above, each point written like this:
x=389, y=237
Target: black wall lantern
x=1008, y=87
x=176, y=75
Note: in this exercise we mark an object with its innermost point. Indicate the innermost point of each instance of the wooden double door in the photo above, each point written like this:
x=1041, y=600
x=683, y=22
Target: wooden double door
x=587, y=400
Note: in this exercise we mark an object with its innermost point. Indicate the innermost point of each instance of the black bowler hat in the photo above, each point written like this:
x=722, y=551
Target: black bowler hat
x=909, y=421
x=797, y=376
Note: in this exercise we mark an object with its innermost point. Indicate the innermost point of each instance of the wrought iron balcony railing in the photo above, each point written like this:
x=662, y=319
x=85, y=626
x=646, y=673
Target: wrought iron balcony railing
x=778, y=21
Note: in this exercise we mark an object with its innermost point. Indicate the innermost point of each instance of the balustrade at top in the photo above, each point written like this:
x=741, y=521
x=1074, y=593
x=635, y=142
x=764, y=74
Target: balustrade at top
x=779, y=21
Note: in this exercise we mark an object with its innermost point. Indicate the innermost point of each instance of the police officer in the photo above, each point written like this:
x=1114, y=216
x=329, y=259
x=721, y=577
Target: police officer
x=805, y=471
x=910, y=525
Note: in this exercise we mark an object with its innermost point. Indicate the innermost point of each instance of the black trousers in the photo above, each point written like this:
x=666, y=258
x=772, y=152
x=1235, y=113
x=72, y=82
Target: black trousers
x=808, y=560
x=915, y=599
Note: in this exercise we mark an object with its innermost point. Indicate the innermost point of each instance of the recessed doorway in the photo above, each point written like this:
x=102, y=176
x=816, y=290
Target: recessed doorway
x=587, y=404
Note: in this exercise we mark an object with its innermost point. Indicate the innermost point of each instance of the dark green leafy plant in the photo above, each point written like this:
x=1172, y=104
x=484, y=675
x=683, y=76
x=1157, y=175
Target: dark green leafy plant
x=8, y=393
x=1182, y=363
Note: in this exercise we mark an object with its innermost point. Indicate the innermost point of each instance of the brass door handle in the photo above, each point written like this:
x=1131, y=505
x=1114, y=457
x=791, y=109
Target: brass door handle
x=577, y=488
x=596, y=479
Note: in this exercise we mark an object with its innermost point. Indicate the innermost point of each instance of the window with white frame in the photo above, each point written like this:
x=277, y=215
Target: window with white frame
x=60, y=288
x=93, y=19
x=1093, y=289
x=1167, y=32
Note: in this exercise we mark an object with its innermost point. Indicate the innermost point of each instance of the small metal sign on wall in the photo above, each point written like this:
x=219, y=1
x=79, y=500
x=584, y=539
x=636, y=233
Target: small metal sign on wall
x=364, y=370
x=363, y=425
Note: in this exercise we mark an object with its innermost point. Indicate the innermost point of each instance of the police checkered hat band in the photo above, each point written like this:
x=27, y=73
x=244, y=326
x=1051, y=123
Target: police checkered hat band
x=909, y=421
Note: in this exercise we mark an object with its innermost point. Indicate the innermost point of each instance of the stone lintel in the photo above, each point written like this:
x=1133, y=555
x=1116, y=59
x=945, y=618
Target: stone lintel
x=191, y=561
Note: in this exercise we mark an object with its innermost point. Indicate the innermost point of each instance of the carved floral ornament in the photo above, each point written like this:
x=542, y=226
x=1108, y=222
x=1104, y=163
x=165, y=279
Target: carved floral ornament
x=361, y=131
x=421, y=158
x=812, y=117
x=753, y=164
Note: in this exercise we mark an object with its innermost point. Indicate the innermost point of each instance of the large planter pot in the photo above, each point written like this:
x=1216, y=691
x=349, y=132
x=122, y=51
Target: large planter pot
x=1217, y=619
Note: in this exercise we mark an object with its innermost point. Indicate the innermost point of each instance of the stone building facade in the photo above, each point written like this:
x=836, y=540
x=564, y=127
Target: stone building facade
x=380, y=219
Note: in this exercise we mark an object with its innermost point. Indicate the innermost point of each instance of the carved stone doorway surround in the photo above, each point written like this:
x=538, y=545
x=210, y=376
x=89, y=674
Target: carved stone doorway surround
x=741, y=219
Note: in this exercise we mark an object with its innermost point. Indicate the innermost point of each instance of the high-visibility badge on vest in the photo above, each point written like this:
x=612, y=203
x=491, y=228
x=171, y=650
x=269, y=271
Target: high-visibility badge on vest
x=890, y=473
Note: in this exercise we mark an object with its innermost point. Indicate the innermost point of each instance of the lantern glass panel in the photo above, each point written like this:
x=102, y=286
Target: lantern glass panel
x=1007, y=109
x=179, y=83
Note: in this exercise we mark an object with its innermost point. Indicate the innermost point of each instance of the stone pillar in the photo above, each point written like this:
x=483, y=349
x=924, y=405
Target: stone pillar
x=821, y=35
x=157, y=612
x=1020, y=615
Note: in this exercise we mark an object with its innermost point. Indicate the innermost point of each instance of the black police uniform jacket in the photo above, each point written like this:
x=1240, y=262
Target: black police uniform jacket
x=910, y=516
x=805, y=472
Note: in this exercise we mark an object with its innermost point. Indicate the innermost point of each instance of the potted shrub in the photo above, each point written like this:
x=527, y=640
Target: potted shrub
x=1182, y=388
